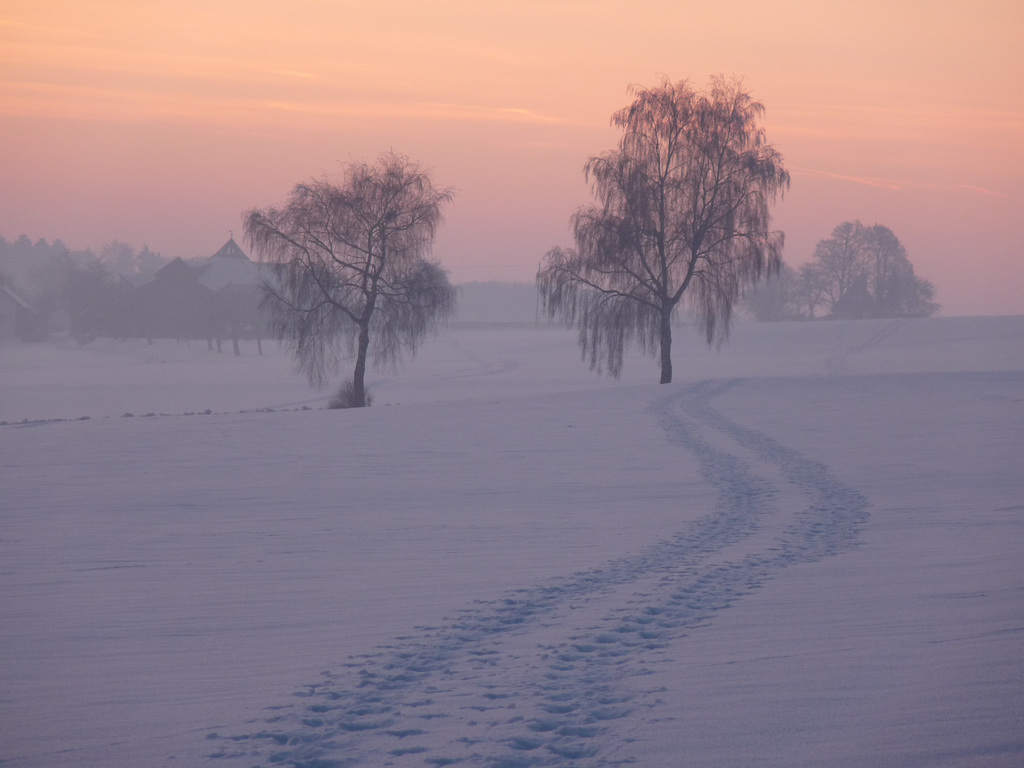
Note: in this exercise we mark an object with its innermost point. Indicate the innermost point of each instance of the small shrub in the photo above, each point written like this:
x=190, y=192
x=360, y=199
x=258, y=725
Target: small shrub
x=346, y=398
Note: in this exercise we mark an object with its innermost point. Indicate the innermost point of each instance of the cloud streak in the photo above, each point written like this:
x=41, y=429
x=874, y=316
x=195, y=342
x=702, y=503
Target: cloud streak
x=983, y=191
x=869, y=181
x=896, y=185
x=129, y=104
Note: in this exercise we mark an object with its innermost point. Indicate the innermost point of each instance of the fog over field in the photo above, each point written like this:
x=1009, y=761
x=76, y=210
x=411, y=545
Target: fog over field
x=806, y=551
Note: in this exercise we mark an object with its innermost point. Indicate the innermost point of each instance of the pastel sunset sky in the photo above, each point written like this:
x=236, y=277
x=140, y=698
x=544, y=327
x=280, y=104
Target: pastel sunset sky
x=162, y=121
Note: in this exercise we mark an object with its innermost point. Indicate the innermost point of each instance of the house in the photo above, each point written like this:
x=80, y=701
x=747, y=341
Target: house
x=229, y=266
x=174, y=304
x=215, y=300
x=235, y=281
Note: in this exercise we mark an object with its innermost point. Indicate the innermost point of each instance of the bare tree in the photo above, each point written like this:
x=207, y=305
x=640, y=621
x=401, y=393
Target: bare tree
x=352, y=265
x=870, y=260
x=897, y=291
x=811, y=289
x=683, y=210
x=841, y=260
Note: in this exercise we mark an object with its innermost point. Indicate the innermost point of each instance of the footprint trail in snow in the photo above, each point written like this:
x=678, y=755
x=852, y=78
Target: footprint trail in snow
x=538, y=677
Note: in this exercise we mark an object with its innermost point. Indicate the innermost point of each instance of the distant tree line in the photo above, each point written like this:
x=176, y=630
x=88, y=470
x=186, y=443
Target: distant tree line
x=122, y=292
x=61, y=284
x=859, y=272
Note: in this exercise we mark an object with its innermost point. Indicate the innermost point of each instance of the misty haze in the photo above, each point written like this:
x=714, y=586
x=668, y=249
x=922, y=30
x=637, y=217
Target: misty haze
x=511, y=385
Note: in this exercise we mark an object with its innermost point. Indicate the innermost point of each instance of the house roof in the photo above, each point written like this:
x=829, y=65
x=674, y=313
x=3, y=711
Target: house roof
x=230, y=250
x=229, y=266
x=176, y=270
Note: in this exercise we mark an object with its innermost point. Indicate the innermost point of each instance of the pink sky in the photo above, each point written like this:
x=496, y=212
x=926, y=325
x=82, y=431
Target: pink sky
x=161, y=122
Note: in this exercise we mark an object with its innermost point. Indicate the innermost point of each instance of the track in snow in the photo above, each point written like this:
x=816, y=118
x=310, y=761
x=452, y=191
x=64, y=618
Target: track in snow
x=536, y=678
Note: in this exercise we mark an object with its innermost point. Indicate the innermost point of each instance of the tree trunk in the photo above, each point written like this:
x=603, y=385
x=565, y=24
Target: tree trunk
x=666, y=347
x=359, y=377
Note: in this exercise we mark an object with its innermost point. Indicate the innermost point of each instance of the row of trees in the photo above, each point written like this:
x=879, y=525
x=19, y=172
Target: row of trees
x=857, y=272
x=682, y=218
x=62, y=284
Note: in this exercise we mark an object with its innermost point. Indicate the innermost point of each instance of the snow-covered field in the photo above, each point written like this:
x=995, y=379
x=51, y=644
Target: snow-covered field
x=808, y=551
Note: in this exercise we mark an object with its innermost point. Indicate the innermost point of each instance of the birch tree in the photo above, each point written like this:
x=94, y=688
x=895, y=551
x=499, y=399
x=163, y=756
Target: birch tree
x=682, y=211
x=353, y=274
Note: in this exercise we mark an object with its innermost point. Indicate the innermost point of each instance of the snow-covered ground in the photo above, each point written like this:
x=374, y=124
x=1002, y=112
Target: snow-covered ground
x=806, y=552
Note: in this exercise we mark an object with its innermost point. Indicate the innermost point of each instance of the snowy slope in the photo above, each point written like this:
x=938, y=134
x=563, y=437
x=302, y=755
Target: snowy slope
x=806, y=552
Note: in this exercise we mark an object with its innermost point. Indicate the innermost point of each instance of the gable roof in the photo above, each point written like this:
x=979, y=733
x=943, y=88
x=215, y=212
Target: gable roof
x=230, y=250
x=229, y=266
x=176, y=270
